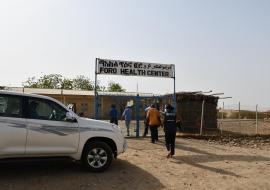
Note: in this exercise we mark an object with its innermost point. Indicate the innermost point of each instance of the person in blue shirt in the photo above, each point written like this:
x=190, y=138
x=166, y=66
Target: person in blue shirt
x=113, y=115
x=127, y=114
x=170, y=129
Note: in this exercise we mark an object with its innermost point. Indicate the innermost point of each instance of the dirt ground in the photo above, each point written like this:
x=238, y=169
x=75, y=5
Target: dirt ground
x=198, y=164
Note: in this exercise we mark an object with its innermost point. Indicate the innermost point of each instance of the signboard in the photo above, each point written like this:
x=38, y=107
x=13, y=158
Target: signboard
x=132, y=68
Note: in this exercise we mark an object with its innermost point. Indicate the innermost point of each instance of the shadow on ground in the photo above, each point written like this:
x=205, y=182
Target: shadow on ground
x=202, y=156
x=67, y=175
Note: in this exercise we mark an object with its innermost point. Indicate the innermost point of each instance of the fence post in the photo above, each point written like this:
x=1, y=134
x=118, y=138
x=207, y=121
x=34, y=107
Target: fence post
x=222, y=117
x=222, y=114
x=239, y=115
x=202, y=117
x=137, y=116
x=257, y=119
x=62, y=96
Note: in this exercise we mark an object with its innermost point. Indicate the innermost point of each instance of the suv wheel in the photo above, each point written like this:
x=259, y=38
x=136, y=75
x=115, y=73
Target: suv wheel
x=97, y=156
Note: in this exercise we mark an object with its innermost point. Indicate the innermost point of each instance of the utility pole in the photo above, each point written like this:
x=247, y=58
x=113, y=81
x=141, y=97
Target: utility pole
x=239, y=115
x=202, y=117
x=257, y=119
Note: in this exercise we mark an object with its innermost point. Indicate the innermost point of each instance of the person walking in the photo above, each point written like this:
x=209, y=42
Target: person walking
x=153, y=116
x=170, y=129
x=113, y=115
x=146, y=123
x=127, y=114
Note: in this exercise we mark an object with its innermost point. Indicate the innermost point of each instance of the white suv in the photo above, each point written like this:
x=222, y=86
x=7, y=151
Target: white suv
x=39, y=126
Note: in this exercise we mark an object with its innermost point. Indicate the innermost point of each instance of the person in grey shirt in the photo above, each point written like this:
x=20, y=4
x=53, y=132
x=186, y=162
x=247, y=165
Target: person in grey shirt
x=146, y=124
x=127, y=114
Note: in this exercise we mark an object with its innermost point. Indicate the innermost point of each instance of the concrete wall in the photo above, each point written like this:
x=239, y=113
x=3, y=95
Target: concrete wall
x=83, y=104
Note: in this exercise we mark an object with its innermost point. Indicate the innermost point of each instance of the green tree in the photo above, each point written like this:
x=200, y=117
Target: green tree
x=115, y=87
x=101, y=88
x=51, y=81
x=57, y=81
x=30, y=83
x=82, y=83
x=67, y=84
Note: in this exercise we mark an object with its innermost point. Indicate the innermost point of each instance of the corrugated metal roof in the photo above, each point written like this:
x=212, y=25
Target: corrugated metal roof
x=127, y=94
x=79, y=92
x=51, y=91
x=76, y=92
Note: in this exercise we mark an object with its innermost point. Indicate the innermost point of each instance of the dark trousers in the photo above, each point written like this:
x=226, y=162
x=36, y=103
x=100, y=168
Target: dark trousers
x=114, y=120
x=145, y=130
x=154, y=133
x=170, y=139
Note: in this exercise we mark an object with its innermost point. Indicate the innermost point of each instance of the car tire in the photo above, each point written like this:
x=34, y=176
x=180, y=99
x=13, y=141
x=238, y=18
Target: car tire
x=97, y=156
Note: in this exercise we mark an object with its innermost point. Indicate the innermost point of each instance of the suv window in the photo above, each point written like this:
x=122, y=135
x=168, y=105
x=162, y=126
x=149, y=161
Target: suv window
x=45, y=110
x=10, y=106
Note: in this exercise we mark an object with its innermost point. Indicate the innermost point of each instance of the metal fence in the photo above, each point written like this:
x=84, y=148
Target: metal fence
x=250, y=122
x=234, y=120
x=244, y=126
x=244, y=120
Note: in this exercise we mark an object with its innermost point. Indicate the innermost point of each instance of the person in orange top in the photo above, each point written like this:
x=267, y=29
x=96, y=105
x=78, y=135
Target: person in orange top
x=153, y=118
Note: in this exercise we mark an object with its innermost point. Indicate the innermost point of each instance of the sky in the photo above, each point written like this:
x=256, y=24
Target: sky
x=219, y=45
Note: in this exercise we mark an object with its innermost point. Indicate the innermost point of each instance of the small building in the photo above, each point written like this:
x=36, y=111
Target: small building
x=189, y=105
x=189, y=110
x=83, y=101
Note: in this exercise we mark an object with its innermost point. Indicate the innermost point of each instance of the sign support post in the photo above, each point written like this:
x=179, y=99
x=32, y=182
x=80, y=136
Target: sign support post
x=95, y=98
x=137, y=116
x=202, y=119
x=174, y=95
x=133, y=68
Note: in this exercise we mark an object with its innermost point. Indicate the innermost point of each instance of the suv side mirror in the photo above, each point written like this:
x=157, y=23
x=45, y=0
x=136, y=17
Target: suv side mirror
x=70, y=117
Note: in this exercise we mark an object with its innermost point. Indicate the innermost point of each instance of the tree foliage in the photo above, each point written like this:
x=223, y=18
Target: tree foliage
x=57, y=81
x=31, y=83
x=115, y=87
x=82, y=83
x=51, y=81
x=67, y=84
